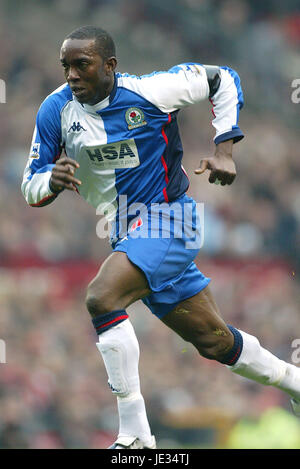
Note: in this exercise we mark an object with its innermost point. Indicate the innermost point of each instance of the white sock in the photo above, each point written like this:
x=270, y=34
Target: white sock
x=120, y=352
x=133, y=418
x=260, y=365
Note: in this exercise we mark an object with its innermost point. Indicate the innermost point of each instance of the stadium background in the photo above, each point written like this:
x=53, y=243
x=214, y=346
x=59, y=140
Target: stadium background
x=53, y=391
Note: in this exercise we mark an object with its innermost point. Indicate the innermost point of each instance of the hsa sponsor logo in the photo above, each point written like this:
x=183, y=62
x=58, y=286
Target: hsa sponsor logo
x=123, y=154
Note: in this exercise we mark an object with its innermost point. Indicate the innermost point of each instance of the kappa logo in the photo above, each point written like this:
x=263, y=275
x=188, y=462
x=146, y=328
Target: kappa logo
x=76, y=127
x=135, y=118
x=114, y=390
x=123, y=154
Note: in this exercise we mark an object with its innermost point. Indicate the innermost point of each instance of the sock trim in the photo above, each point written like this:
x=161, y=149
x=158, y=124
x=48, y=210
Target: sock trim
x=103, y=322
x=232, y=357
x=114, y=320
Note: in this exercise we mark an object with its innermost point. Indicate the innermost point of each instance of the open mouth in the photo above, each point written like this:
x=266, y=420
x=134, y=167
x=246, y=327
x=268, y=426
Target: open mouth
x=77, y=90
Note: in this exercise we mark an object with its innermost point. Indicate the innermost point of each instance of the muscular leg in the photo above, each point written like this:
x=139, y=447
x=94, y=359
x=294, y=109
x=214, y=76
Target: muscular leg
x=117, y=285
x=197, y=321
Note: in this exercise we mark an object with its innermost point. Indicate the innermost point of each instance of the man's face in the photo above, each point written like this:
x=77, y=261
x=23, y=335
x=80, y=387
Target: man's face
x=90, y=76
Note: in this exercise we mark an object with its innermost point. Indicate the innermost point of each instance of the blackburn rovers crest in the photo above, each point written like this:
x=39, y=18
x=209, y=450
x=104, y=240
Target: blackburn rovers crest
x=135, y=118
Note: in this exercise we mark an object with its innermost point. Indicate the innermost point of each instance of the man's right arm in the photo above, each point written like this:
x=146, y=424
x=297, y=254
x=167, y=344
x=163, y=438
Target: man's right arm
x=45, y=149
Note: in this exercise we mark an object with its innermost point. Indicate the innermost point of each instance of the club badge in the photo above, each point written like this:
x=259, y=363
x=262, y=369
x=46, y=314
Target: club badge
x=135, y=118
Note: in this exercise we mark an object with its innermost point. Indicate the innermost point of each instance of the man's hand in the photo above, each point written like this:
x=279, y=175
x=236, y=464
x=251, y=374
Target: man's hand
x=221, y=165
x=62, y=176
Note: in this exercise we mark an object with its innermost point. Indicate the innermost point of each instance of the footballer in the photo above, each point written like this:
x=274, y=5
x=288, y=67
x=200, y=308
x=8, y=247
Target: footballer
x=113, y=138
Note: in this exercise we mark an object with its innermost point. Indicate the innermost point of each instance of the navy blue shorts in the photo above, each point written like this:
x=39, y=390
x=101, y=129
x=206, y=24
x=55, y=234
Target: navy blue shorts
x=163, y=242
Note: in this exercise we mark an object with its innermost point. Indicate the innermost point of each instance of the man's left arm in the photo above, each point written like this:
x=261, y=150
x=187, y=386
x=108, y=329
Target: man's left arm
x=190, y=83
x=226, y=96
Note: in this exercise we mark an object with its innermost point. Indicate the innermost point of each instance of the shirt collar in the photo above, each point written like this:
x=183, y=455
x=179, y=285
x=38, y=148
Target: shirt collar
x=105, y=102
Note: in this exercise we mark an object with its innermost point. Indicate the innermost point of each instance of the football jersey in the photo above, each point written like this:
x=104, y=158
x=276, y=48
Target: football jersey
x=129, y=143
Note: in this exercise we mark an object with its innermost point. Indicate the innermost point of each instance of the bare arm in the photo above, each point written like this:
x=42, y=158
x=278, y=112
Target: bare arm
x=221, y=165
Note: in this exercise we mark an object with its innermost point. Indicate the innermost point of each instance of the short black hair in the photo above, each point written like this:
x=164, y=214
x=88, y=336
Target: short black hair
x=103, y=40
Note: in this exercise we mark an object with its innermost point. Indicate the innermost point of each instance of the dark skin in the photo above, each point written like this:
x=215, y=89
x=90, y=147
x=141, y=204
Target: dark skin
x=91, y=78
x=119, y=283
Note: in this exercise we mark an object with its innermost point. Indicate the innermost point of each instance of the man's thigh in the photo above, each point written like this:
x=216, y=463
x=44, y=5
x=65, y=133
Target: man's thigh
x=120, y=281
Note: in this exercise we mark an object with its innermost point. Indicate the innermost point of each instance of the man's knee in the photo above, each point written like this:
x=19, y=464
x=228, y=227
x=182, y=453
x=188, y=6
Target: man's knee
x=214, y=345
x=98, y=300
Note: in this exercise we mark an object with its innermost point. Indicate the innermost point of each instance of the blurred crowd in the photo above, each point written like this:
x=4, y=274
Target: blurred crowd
x=53, y=390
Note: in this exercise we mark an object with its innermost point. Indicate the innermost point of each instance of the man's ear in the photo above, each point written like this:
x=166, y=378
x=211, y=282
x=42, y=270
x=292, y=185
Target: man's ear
x=111, y=64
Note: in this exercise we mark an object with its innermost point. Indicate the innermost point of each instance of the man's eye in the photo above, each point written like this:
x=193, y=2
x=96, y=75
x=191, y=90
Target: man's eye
x=83, y=65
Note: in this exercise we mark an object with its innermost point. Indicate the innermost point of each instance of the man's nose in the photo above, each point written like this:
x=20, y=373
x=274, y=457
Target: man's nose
x=72, y=74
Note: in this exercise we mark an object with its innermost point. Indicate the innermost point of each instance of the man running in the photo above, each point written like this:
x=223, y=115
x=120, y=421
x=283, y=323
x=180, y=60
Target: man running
x=123, y=154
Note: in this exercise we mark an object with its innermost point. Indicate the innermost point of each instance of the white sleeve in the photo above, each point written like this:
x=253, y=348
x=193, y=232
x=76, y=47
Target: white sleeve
x=35, y=187
x=187, y=84
x=227, y=102
x=172, y=90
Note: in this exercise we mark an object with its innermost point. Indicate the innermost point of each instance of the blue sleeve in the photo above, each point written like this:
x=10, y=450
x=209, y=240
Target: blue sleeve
x=45, y=149
x=46, y=143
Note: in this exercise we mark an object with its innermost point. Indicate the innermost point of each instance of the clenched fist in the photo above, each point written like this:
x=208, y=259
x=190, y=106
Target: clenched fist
x=62, y=176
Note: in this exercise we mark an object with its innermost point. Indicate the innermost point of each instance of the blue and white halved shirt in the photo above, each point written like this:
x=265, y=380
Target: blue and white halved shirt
x=129, y=143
